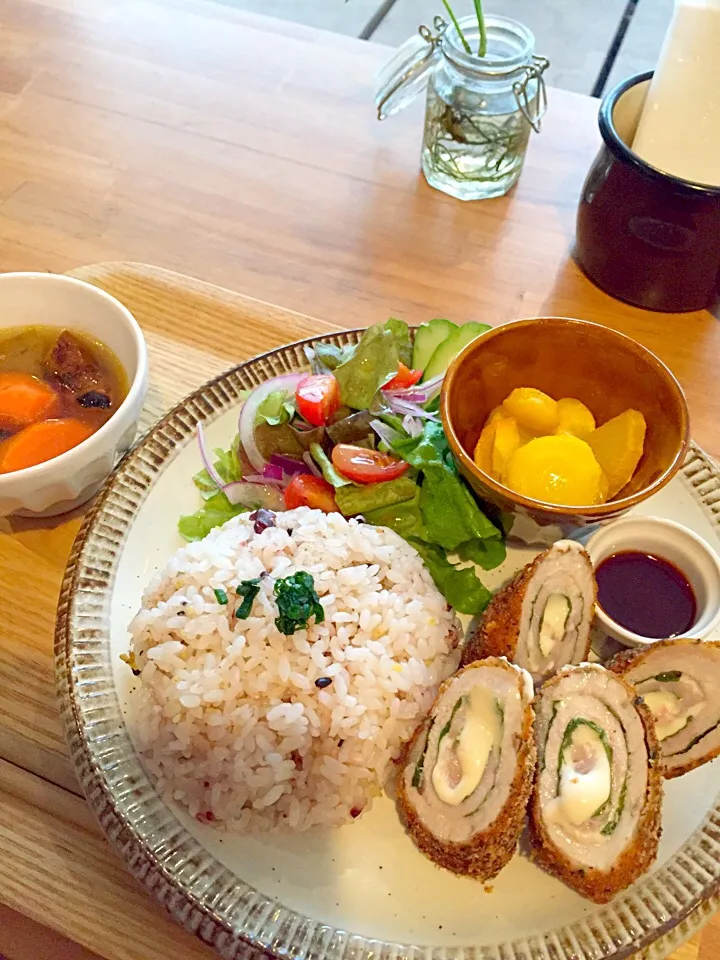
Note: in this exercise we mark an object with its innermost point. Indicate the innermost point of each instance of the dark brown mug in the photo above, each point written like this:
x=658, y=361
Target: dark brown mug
x=645, y=236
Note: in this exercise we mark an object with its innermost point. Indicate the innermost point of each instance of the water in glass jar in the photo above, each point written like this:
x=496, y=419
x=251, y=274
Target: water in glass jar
x=469, y=154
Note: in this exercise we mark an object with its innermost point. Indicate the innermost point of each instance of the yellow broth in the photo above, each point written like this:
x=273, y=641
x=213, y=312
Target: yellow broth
x=86, y=378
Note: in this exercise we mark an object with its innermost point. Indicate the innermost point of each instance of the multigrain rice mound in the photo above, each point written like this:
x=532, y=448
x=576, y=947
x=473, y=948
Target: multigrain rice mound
x=227, y=713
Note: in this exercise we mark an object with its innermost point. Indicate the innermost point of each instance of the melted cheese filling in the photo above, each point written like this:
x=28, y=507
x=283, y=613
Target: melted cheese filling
x=552, y=625
x=462, y=759
x=585, y=778
x=665, y=708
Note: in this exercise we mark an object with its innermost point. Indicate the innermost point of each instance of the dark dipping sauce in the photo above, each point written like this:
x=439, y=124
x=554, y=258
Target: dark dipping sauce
x=645, y=594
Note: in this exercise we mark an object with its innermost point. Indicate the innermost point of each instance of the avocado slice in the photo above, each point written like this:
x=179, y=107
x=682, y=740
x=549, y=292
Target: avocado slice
x=428, y=338
x=446, y=352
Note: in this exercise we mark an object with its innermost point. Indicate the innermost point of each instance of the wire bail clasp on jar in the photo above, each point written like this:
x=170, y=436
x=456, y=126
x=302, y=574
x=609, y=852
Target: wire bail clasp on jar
x=406, y=74
x=533, y=72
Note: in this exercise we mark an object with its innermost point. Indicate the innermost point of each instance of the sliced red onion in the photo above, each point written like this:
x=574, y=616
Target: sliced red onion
x=205, y=457
x=426, y=386
x=246, y=423
x=272, y=472
x=403, y=407
x=253, y=495
x=311, y=465
x=420, y=392
x=259, y=478
x=412, y=425
x=386, y=433
x=414, y=395
x=287, y=465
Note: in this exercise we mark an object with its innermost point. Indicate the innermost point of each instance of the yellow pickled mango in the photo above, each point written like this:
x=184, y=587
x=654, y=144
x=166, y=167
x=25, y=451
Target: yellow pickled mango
x=532, y=409
x=495, y=414
x=604, y=488
x=559, y=469
x=483, y=453
x=574, y=418
x=506, y=441
x=618, y=446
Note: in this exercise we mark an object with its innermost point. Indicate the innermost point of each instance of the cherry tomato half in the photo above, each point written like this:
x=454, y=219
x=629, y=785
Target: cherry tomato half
x=317, y=398
x=366, y=466
x=305, y=490
x=405, y=377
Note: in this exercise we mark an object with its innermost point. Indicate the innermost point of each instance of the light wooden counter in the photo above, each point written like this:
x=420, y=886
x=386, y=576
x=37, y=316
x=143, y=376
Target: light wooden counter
x=244, y=151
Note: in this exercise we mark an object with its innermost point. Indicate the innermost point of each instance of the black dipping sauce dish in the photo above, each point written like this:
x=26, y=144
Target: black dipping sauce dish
x=656, y=580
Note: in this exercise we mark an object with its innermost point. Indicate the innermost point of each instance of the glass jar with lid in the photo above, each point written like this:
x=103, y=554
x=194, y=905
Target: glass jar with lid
x=479, y=110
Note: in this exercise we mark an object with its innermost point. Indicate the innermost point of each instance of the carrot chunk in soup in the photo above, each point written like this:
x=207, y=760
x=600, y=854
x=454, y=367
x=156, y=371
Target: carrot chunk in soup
x=40, y=442
x=24, y=399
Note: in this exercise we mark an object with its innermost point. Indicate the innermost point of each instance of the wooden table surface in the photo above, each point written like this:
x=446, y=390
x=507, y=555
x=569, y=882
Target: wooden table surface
x=244, y=151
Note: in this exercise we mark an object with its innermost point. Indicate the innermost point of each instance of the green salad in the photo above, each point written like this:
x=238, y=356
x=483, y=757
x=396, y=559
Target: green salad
x=361, y=434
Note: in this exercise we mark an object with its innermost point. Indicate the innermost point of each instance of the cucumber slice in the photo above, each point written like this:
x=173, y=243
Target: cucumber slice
x=428, y=338
x=446, y=352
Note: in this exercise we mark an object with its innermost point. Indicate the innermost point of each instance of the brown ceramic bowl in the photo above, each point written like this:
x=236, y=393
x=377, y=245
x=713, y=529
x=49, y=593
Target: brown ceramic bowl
x=608, y=371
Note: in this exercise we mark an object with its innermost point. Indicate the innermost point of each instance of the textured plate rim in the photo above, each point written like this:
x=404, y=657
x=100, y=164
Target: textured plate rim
x=207, y=898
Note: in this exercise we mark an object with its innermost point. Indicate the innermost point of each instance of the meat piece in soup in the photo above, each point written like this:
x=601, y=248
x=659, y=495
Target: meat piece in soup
x=75, y=368
x=56, y=389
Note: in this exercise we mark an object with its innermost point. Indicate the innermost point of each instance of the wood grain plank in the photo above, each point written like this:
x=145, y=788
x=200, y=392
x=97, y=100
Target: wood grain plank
x=57, y=870
x=689, y=950
x=708, y=942
x=23, y=939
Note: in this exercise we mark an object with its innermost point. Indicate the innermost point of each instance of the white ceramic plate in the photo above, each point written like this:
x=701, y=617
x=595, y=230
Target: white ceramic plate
x=364, y=889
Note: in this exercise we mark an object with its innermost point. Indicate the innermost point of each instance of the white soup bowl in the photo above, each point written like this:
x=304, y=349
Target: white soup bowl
x=66, y=481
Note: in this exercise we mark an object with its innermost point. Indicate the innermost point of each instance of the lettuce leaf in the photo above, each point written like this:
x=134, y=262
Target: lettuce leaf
x=401, y=332
x=329, y=472
x=216, y=511
x=227, y=464
x=487, y=554
x=205, y=484
x=373, y=364
x=277, y=407
x=325, y=357
x=431, y=447
x=449, y=510
x=284, y=438
x=460, y=587
x=404, y=518
x=351, y=429
x=361, y=499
